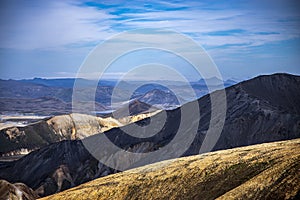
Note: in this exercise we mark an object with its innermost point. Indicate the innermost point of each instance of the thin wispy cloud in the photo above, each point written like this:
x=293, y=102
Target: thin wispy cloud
x=52, y=24
x=225, y=28
x=58, y=23
x=206, y=26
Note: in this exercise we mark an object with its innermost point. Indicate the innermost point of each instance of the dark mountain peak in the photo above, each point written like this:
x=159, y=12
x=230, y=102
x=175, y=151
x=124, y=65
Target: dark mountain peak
x=280, y=90
x=266, y=79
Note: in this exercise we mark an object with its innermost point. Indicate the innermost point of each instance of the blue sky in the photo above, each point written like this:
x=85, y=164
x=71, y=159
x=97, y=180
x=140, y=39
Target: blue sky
x=244, y=38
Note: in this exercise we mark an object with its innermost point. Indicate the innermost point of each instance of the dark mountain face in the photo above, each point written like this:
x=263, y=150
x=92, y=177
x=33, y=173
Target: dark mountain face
x=263, y=109
x=281, y=91
x=134, y=107
x=59, y=166
x=53, y=168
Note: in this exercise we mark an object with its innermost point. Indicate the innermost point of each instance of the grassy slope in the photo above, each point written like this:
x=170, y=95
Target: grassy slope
x=266, y=171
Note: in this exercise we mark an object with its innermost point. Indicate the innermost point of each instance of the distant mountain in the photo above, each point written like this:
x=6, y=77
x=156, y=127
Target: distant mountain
x=64, y=82
x=230, y=82
x=19, y=89
x=265, y=171
x=52, y=96
x=44, y=106
x=69, y=82
x=263, y=109
x=150, y=87
x=22, y=95
x=160, y=99
x=210, y=81
x=214, y=81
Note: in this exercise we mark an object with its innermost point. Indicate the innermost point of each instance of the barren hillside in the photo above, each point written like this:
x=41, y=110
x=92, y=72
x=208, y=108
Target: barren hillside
x=265, y=171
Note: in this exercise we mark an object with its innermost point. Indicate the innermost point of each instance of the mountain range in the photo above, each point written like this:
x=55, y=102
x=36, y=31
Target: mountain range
x=54, y=96
x=263, y=109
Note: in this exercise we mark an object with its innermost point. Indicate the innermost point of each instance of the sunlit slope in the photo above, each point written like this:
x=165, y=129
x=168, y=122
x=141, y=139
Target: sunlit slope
x=62, y=127
x=265, y=171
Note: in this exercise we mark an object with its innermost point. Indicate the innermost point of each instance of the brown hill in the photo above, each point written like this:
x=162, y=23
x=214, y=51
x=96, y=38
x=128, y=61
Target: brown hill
x=265, y=171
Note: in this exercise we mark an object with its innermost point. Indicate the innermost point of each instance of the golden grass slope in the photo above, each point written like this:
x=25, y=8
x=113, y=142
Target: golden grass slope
x=265, y=171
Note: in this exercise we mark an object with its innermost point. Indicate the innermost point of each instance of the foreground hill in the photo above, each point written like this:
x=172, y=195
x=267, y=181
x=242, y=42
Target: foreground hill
x=265, y=171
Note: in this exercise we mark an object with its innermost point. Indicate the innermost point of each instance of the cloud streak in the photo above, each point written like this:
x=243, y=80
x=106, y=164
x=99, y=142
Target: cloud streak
x=56, y=23
x=226, y=28
x=52, y=25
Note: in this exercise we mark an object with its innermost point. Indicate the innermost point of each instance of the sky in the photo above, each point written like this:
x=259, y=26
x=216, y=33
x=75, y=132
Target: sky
x=53, y=38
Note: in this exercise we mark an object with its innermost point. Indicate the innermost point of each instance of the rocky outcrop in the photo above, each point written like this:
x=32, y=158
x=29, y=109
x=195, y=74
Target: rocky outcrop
x=18, y=140
x=16, y=191
x=33, y=136
x=265, y=171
